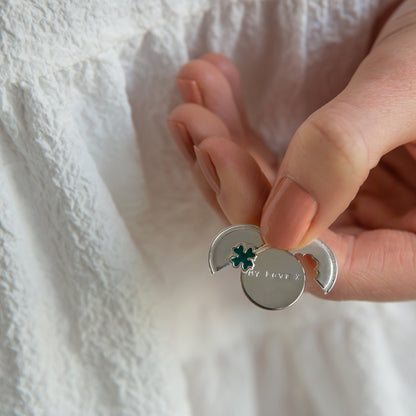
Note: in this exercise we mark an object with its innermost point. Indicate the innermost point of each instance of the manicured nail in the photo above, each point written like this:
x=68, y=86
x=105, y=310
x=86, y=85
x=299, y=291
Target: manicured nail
x=190, y=91
x=208, y=169
x=182, y=139
x=287, y=215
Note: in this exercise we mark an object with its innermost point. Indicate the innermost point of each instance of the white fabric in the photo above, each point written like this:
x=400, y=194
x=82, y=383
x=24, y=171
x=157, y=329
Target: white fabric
x=106, y=304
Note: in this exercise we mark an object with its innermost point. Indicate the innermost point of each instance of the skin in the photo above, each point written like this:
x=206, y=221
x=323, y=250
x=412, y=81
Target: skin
x=355, y=157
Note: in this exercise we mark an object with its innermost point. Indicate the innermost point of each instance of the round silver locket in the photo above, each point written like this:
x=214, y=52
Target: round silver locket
x=272, y=279
x=276, y=280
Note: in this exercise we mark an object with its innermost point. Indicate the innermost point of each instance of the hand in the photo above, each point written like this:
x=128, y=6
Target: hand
x=350, y=166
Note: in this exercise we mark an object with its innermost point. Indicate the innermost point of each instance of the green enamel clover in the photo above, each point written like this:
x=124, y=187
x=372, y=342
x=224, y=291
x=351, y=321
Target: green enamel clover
x=243, y=257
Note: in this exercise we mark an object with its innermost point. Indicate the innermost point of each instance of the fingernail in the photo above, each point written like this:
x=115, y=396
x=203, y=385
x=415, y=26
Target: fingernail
x=288, y=215
x=182, y=139
x=208, y=169
x=190, y=91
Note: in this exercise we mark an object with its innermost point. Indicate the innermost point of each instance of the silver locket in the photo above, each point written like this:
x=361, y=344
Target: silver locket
x=272, y=279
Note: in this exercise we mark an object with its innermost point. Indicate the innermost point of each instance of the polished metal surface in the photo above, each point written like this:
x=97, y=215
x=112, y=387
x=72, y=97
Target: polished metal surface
x=327, y=263
x=222, y=247
x=272, y=279
x=276, y=281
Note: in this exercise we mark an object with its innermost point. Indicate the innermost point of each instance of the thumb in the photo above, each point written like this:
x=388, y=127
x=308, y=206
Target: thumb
x=332, y=152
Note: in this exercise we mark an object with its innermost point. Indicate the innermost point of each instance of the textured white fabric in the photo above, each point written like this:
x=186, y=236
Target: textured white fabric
x=106, y=305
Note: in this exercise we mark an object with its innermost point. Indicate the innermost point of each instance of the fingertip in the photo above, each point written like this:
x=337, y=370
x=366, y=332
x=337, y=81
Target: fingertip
x=190, y=91
x=208, y=169
x=229, y=70
x=243, y=186
x=182, y=138
x=288, y=215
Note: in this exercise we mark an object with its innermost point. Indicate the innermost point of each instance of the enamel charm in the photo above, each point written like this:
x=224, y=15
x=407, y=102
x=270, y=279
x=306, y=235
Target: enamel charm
x=272, y=279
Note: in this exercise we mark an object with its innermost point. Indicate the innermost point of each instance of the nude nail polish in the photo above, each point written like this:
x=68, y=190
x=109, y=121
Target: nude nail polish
x=182, y=139
x=190, y=91
x=287, y=215
x=208, y=169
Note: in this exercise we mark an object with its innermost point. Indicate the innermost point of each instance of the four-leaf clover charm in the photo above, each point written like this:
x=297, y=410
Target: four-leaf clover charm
x=242, y=257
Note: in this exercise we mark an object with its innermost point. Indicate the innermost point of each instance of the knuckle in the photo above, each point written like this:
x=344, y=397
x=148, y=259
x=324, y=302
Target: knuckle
x=343, y=141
